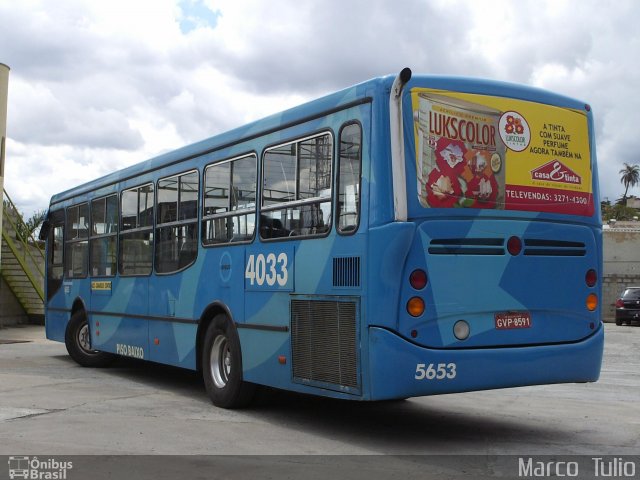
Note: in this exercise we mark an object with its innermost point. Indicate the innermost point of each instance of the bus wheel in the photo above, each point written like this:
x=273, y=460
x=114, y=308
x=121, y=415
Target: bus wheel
x=222, y=366
x=78, y=342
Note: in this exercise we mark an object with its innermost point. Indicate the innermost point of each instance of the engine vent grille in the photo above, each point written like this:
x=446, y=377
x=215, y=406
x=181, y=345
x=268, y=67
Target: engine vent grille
x=323, y=337
x=346, y=272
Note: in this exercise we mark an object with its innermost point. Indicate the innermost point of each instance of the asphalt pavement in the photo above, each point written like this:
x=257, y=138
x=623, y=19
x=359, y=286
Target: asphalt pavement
x=49, y=404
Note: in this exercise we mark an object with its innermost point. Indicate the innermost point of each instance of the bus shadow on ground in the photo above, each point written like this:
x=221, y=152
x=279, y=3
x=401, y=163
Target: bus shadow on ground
x=410, y=426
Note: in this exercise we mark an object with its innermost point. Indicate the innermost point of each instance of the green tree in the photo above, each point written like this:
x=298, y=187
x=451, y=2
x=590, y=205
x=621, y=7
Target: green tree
x=629, y=177
x=31, y=226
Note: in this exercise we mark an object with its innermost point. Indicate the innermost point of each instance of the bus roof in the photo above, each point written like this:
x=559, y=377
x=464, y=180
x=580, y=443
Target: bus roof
x=353, y=95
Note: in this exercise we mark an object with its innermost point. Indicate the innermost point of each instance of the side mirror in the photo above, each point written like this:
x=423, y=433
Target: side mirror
x=44, y=230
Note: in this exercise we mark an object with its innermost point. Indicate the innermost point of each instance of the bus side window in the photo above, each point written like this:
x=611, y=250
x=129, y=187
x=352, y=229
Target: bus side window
x=296, y=194
x=104, y=231
x=136, y=231
x=57, y=245
x=229, y=209
x=76, y=241
x=177, y=222
x=349, y=174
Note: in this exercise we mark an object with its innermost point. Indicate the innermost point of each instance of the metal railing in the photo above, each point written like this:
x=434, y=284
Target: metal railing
x=26, y=249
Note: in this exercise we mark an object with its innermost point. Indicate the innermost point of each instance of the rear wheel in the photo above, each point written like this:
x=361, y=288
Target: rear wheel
x=222, y=366
x=77, y=339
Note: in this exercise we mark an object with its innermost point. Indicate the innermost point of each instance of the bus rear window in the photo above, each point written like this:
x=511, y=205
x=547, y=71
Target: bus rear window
x=478, y=151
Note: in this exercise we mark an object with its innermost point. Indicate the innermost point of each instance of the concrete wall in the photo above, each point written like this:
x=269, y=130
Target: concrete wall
x=621, y=251
x=11, y=312
x=633, y=202
x=621, y=248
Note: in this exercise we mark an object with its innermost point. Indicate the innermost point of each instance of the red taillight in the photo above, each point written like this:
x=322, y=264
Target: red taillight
x=514, y=245
x=591, y=278
x=418, y=279
x=619, y=303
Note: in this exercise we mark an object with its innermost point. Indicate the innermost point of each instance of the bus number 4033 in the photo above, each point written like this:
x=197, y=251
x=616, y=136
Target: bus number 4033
x=432, y=372
x=269, y=269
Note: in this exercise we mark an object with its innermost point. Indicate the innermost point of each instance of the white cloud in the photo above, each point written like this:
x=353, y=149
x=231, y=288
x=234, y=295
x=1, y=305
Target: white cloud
x=96, y=86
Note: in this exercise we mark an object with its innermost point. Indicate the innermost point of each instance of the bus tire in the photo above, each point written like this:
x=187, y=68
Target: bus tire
x=222, y=366
x=78, y=342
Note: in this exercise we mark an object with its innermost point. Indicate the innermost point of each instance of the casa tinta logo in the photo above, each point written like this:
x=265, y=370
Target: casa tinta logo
x=556, y=171
x=38, y=469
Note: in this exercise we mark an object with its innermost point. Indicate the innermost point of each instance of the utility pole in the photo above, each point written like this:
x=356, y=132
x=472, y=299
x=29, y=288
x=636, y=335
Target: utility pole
x=4, y=89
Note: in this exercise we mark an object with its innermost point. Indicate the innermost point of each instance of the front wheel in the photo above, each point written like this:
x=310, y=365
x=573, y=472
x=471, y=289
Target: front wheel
x=222, y=366
x=77, y=339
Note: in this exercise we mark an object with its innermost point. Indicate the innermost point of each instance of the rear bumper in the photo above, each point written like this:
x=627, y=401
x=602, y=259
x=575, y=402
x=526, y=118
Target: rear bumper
x=622, y=314
x=401, y=369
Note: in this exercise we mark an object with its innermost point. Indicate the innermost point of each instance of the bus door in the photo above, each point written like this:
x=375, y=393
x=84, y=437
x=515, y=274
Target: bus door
x=57, y=314
x=119, y=309
x=120, y=304
x=173, y=321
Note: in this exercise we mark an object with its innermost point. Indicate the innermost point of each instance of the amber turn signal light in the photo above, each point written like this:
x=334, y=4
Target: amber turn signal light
x=415, y=306
x=592, y=302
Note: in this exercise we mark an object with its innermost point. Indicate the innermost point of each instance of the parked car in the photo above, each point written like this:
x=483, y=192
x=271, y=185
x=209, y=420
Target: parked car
x=628, y=306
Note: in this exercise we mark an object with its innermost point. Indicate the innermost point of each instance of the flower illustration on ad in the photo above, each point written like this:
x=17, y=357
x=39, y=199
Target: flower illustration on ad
x=450, y=156
x=444, y=190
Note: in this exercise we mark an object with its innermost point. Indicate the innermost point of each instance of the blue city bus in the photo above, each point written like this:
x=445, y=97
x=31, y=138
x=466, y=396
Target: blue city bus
x=411, y=235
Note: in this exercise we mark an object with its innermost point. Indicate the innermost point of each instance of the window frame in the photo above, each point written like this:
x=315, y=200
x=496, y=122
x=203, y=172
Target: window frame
x=92, y=237
x=230, y=212
x=176, y=223
x=340, y=231
x=74, y=240
x=144, y=229
x=52, y=260
x=58, y=219
x=303, y=202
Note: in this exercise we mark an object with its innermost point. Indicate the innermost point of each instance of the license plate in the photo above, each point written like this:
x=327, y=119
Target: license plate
x=511, y=320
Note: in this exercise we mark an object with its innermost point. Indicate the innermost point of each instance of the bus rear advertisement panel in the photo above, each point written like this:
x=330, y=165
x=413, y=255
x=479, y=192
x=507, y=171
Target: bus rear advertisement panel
x=480, y=151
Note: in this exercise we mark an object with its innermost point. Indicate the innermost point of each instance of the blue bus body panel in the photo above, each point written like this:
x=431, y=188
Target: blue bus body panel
x=551, y=288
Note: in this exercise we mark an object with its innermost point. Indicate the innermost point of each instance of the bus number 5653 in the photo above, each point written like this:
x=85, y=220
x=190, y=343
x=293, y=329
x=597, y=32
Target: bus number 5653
x=435, y=372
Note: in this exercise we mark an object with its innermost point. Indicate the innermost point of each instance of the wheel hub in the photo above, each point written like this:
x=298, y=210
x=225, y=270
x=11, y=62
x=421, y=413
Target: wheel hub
x=220, y=361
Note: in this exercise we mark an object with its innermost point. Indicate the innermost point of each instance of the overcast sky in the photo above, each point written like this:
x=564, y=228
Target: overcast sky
x=99, y=85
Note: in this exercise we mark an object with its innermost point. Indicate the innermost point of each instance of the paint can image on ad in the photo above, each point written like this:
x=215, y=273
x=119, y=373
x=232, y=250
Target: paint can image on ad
x=460, y=155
